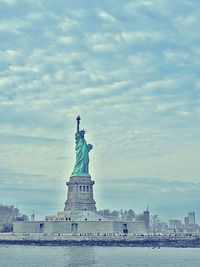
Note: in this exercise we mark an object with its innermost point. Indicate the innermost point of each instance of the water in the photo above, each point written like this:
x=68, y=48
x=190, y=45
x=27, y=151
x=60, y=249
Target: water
x=35, y=256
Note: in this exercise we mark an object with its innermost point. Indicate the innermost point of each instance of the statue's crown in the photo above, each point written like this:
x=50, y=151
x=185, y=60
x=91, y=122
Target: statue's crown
x=83, y=131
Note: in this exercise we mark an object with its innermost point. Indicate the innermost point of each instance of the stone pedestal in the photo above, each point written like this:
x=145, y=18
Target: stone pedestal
x=80, y=194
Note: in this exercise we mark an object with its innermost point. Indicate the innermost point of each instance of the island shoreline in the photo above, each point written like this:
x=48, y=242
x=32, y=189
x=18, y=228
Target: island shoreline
x=107, y=241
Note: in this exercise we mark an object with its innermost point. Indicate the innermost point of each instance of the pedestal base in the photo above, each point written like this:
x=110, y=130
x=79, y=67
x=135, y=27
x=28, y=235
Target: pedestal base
x=80, y=194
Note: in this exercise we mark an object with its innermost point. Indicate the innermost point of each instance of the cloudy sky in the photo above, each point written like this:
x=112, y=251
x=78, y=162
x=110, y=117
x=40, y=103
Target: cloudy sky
x=130, y=69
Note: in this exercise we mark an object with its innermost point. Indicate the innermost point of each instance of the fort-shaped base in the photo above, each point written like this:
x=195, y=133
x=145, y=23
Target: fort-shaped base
x=80, y=194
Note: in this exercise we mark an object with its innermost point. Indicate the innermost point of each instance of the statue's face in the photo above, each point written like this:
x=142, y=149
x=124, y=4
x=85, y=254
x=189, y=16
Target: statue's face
x=82, y=133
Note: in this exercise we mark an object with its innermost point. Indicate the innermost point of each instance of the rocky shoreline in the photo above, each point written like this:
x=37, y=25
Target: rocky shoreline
x=123, y=241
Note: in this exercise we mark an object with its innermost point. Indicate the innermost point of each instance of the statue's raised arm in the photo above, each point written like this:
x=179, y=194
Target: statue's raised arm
x=81, y=167
x=78, y=123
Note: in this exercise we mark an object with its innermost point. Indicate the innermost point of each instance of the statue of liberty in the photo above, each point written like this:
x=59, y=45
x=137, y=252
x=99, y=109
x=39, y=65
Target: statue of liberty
x=81, y=167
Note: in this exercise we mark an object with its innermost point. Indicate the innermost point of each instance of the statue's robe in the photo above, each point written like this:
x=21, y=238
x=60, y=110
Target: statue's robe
x=82, y=156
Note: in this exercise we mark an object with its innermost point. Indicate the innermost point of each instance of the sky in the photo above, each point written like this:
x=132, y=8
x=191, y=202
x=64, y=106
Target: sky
x=130, y=69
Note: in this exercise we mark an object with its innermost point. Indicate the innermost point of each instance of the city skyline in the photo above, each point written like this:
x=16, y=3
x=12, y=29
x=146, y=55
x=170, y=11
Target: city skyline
x=131, y=71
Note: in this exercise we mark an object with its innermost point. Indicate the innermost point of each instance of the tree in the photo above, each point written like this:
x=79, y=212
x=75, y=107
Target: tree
x=22, y=217
x=9, y=214
x=123, y=215
x=105, y=212
x=115, y=213
x=130, y=215
x=139, y=217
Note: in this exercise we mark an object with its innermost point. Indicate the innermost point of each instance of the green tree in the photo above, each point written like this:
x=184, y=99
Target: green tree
x=9, y=214
x=130, y=215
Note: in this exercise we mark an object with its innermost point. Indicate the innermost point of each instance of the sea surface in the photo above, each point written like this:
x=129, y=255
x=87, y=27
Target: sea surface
x=55, y=256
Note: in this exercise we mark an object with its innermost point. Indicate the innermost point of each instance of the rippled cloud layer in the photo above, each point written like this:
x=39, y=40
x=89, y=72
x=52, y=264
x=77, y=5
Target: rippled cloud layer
x=130, y=69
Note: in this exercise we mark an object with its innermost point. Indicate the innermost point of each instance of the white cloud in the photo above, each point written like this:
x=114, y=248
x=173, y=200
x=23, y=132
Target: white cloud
x=131, y=7
x=5, y=81
x=13, y=25
x=102, y=42
x=103, y=47
x=177, y=56
x=145, y=2
x=67, y=24
x=106, y=16
x=8, y=2
x=24, y=69
x=190, y=20
x=140, y=36
x=160, y=84
x=67, y=40
x=106, y=90
x=11, y=54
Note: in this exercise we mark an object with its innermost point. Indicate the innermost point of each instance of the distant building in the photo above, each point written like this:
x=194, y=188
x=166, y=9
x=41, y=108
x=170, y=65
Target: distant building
x=186, y=221
x=190, y=224
x=146, y=218
x=175, y=224
x=191, y=217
